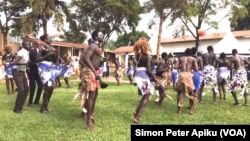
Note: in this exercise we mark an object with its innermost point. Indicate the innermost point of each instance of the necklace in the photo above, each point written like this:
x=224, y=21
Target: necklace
x=138, y=60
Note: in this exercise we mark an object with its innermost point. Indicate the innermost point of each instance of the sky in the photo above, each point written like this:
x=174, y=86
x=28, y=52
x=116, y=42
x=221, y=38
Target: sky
x=153, y=33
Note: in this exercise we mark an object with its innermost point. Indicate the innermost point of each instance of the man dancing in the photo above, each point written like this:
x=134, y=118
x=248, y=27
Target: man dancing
x=185, y=85
x=163, y=76
x=209, y=73
x=239, y=78
x=8, y=62
x=90, y=63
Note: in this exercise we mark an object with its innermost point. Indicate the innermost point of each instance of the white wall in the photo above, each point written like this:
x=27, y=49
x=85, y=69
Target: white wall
x=178, y=47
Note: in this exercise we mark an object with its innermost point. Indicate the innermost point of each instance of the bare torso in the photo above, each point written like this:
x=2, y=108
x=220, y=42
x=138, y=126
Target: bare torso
x=199, y=62
x=187, y=64
x=209, y=59
x=91, y=57
x=238, y=62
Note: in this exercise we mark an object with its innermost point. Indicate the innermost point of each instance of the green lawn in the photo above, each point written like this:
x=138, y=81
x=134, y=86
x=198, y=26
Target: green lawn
x=113, y=110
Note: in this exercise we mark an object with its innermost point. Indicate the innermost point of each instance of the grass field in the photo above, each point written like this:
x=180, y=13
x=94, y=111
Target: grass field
x=113, y=110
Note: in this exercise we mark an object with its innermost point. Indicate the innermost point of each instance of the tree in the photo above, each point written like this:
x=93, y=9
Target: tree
x=129, y=39
x=194, y=13
x=163, y=9
x=42, y=11
x=241, y=15
x=11, y=10
x=74, y=34
x=108, y=16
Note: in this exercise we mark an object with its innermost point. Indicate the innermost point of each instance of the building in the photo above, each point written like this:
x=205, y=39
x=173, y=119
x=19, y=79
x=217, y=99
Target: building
x=222, y=42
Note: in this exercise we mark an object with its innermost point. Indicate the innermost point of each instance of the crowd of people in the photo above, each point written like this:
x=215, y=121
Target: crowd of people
x=40, y=67
x=189, y=74
x=33, y=70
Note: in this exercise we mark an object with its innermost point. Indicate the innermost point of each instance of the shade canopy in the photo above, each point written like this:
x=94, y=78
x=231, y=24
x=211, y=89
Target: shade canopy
x=228, y=43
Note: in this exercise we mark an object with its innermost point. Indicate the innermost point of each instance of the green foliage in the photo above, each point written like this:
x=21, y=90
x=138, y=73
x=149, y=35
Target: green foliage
x=129, y=39
x=74, y=34
x=240, y=15
x=110, y=45
x=193, y=14
x=42, y=11
x=108, y=16
x=163, y=9
x=113, y=110
x=11, y=10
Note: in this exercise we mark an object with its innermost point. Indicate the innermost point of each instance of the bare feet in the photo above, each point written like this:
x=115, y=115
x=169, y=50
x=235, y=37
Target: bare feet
x=93, y=119
x=136, y=120
x=90, y=128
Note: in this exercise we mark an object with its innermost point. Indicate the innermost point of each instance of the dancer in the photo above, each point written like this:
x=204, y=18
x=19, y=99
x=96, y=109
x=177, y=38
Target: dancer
x=20, y=76
x=90, y=63
x=8, y=62
x=34, y=78
x=47, y=57
x=223, y=75
x=185, y=85
x=239, y=78
x=163, y=76
x=209, y=73
x=143, y=75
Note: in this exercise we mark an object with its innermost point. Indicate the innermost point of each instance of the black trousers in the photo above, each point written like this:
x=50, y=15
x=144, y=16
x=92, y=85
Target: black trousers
x=21, y=81
x=34, y=81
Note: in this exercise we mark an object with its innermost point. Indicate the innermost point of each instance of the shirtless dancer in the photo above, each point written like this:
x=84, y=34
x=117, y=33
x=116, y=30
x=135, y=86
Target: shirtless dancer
x=89, y=75
x=197, y=74
x=209, y=73
x=163, y=76
x=185, y=84
x=239, y=78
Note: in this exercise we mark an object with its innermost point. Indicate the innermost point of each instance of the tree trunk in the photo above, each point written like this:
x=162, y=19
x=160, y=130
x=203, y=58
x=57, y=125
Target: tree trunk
x=44, y=19
x=5, y=32
x=159, y=38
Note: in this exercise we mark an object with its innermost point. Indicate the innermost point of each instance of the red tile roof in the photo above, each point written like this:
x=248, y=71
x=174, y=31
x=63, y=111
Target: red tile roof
x=206, y=36
x=124, y=49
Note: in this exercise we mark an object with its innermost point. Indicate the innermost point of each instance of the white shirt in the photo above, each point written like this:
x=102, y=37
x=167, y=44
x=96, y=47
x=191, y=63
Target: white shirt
x=24, y=55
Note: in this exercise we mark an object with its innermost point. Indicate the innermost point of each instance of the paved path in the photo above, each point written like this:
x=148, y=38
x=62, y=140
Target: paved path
x=112, y=79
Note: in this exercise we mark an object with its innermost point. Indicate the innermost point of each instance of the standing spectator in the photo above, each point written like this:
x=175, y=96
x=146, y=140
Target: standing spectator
x=130, y=71
x=76, y=67
x=105, y=69
x=20, y=76
x=34, y=78
x=174, y=72
x=239, y=78
x=143, y=75
x=8, y=62
x=118, y=71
